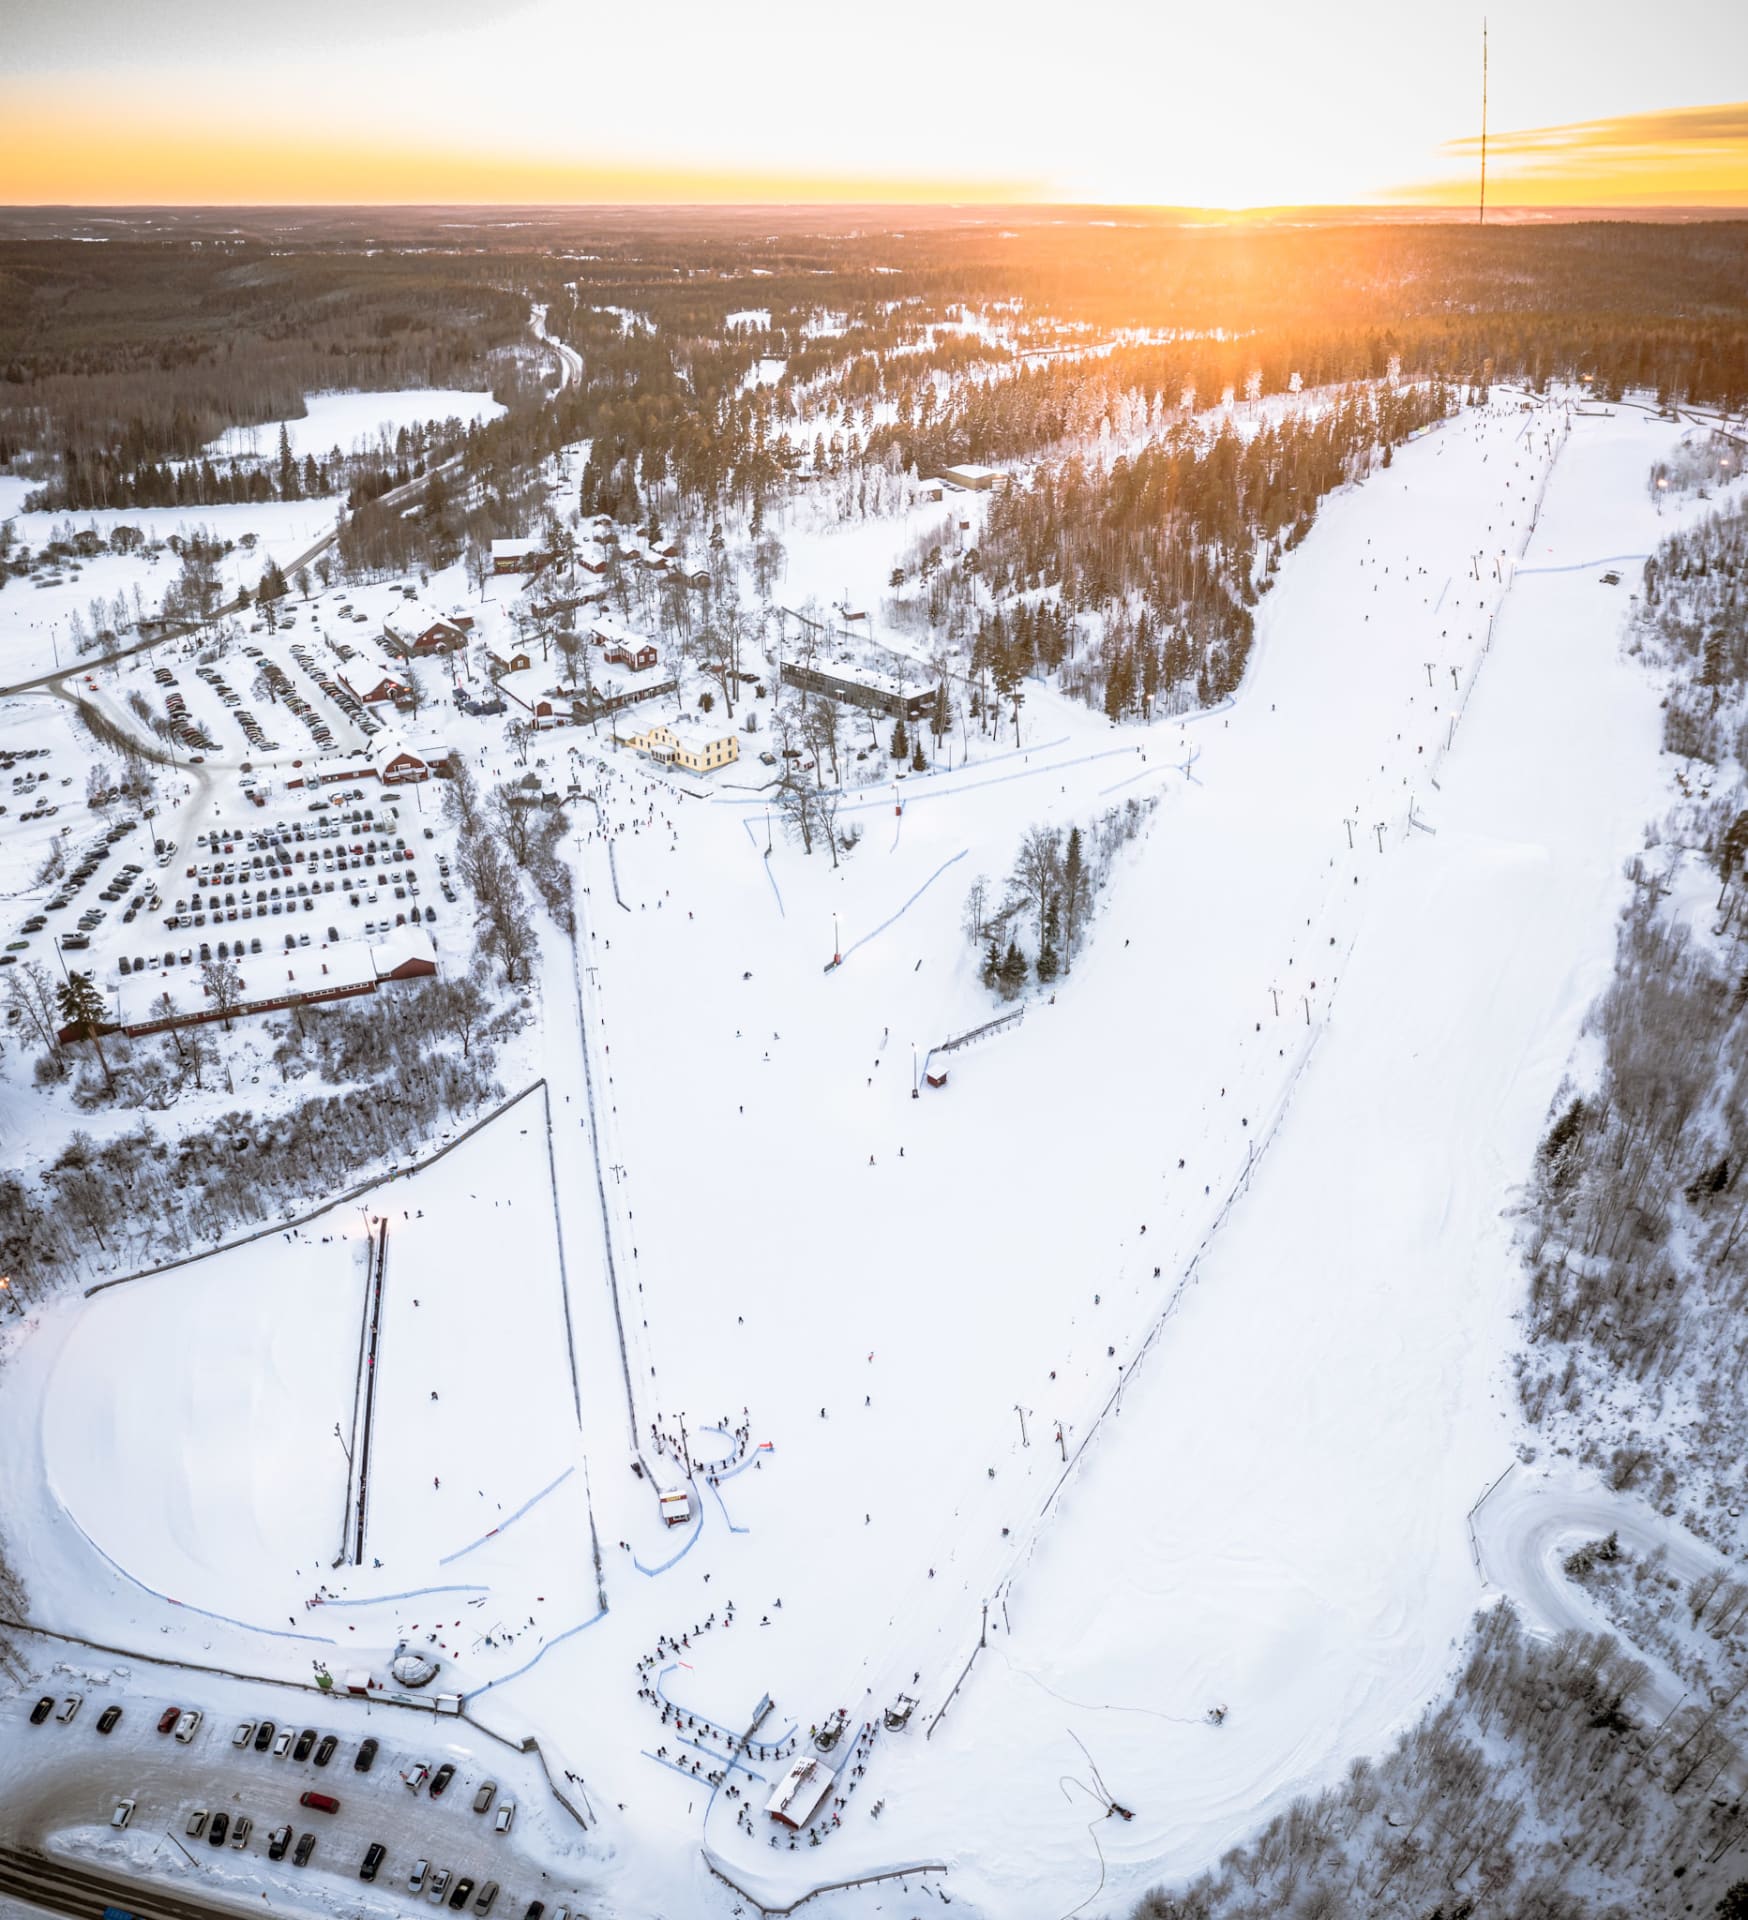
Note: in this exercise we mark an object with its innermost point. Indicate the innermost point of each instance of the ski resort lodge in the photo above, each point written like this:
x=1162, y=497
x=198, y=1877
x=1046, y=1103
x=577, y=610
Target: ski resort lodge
x=517, y=556
x=686, y=742
x=858, y=686
x=413, y=637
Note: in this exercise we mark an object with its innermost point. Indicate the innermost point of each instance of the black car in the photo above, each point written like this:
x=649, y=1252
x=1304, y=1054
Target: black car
x=305, y=1847
x=535, y=1909
x=264, y=1736
x=218, y=1827
x=372, y=1860
x=106, y=1720
x=366, y=1756
x=441, y=1779
x=43, y=1708
x=277, y=1845
x=458, y=1898
x=305, y=1743
x=325, y=1752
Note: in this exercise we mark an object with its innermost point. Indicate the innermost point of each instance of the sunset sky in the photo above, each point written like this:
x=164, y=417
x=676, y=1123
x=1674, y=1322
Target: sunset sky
x=1592, y=102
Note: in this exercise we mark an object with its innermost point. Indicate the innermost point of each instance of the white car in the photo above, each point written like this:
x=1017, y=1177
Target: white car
x=188, y=1726
x=416, y=1879
x=196, y=1823
x=68, y=1708
x=282, y=1744
x=439, y=1882
x=124, y=1812
x=506, y=1817
x=244, y=1734
x=241, y=1828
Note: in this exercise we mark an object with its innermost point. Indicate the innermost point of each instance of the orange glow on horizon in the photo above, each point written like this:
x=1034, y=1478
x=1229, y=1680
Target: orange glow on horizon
x=51, y=163
x=105, y=156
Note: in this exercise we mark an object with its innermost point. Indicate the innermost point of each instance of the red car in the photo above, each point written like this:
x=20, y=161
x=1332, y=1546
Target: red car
x=168, y=1718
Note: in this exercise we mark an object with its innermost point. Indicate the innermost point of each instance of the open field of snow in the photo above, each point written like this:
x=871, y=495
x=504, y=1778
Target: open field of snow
x=355, y=422
x=1247, y=1163
x=197, y=1425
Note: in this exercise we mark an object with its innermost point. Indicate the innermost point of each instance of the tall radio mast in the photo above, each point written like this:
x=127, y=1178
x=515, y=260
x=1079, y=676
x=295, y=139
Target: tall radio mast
x=1483, y=221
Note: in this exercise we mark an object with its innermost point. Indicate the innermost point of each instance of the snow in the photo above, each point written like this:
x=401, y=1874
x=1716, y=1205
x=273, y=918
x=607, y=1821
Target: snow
x=355, y=422
x=189, y=1424
x=1338, y=979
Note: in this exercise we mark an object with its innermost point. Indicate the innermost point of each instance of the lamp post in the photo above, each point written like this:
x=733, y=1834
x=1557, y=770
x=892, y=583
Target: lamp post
x=913, y=1073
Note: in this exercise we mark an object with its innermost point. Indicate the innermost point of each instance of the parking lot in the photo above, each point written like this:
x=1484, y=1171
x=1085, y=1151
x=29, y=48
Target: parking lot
x=374, y=1797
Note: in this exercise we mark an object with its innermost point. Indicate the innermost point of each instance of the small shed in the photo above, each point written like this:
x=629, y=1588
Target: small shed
x=676, y=1506
x=800, y=1793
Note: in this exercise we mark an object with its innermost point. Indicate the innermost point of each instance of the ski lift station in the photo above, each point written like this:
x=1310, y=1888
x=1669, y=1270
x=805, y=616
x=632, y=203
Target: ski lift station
x=800, y=1793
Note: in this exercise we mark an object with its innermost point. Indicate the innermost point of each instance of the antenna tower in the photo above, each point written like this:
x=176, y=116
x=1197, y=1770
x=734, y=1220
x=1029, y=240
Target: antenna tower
x=1483, y=121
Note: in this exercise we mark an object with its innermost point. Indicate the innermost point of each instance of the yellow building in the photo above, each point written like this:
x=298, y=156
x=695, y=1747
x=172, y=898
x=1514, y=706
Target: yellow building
x=687, y=742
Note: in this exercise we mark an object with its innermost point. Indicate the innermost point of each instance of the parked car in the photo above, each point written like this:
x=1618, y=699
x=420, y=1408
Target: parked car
x=439, y=1886
x=124, y=1812
x=325, y=1752
x=305, y=1744
x=305, y=1847
x=487, y=1896
x=241, y=1827
x=43, y=1708
x=168, y=1718
x=69, y=1707
x=282, y=1744
x=264, y=1736
x=372, y=1860
x=458, y=1899
x=244, y=1734
x=196, y=1823
x=322, y=1802
x=221, y=1825
x=366, y=1756
x=107, y=1719
x=483, y=1799
x=441, y=1779
x=506, y=1817
x=416, y=1879
x=277, y=1842
x=188, y=1726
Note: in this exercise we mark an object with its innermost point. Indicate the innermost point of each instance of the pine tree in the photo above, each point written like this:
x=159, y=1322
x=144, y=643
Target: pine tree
x=1013, y=969
x=900, y=741
x=82, y=1008
x=942, y=719
x=917, y=763
x=991, y=970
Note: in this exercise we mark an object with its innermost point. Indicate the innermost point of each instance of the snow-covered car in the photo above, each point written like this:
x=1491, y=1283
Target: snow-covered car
x=244, y=1734
x=124, y=1812
x=196, y=1825
x=506, y=1817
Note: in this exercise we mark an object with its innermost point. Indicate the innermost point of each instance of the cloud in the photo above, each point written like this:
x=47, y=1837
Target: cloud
x=1672, y=156
x=1722, y=129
